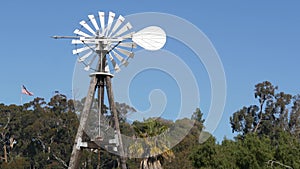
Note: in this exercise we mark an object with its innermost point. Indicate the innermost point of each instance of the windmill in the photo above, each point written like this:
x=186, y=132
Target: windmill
x=103, y=48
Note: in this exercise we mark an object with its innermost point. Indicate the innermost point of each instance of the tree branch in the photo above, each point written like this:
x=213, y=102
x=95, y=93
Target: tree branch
x=60, y=160
x=8, y=121
x=271, y=162
x=57, y=158
x=260, y=118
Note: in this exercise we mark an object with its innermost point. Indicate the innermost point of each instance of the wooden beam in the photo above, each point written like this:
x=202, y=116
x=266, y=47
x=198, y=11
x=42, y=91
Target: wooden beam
x=76, y=153
x=110, y=96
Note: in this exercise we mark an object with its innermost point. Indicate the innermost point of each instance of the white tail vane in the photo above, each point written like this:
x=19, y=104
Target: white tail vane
x=150, y=38
x=114, y=39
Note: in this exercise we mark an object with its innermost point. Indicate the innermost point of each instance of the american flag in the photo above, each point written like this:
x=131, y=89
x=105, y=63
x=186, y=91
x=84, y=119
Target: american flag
x=25, y=91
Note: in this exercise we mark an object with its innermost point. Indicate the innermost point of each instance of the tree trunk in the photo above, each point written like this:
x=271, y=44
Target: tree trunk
x=260, y=118
x=5, y=154
x=148, y=164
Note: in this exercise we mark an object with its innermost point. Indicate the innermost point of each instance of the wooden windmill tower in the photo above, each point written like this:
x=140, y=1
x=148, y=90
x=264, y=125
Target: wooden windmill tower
x=103, y=50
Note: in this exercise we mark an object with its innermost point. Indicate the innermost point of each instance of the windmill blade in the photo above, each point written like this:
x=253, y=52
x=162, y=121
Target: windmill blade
x=106, y=69
x=125, y=28
x=128, y=44
x=120, y=58
x=79, y=50
x=94, y=22
x=92, y=60
x=79, y=32
x=125, y=52
x=110, y=46
x=102, y=21
x=150, y=38
x=128, y=36
x=115, y=65
x=113, y=45
x=117, y=38
x=111, y=18
x=88, y=66
x=81, y=59
x=117, y=24
x=87, y=27
x=76, y=41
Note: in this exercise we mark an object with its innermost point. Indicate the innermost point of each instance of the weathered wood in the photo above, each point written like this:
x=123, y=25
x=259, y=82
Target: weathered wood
x=100, y=86
x=110, y=96
x=76, y=152
x=100, y=109
x=94, y=83
x=97, y=82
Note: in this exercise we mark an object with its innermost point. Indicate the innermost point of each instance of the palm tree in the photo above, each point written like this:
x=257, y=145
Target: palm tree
x=152, y=144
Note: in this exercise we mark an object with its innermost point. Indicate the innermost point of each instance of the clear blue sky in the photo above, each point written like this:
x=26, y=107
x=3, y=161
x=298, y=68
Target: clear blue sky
x=256, y=41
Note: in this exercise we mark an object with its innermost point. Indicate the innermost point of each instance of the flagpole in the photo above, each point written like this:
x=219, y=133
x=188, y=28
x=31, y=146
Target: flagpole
x=21, y=96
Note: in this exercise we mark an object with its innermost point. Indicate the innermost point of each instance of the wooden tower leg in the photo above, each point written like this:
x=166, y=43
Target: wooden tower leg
x=100, y=109
x=97, y=82
x=76, y=151
x=94, y=83
x=110, y=96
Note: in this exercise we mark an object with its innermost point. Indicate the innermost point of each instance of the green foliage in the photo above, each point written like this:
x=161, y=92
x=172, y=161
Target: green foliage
x=41, y=135
x=287, y=149
x=253, y=152
x=37, y=134
x=269, y=135
x=270, y=116
x=203, y=155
